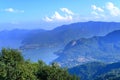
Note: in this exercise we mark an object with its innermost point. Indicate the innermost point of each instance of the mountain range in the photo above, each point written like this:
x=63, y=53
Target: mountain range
x=98, y=48
x=97, y=71
x=89, y=49
x=13, y=38
x=81, y=42
x=62, y=35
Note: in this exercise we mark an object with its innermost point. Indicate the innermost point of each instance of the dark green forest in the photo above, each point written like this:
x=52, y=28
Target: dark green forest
x=14, y=67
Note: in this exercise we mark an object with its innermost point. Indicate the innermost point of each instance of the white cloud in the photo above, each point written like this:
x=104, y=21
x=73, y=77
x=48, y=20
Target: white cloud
x=9, y=10
x=13, y=10
x=107, y=12
x=97, y=12
x=67, y=16
x=48, y=19
x=94, y=13
x=114, y=10
x=98, y=16
x=67, y=11
x=94, y=7
x=57, y=16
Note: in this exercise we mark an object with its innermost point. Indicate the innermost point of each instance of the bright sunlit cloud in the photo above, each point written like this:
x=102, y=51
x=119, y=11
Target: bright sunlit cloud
x=12, y=10
x=108, y=11
x=67, y=16
x=114, y=10
x=94, y=7
x=67, y=11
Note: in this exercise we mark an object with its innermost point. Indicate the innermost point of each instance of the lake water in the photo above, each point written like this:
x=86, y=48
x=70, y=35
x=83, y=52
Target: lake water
x=10, y=44
x=45, y=54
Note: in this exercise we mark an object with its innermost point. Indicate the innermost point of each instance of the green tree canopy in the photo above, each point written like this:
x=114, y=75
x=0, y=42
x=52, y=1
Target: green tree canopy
x=14, y=67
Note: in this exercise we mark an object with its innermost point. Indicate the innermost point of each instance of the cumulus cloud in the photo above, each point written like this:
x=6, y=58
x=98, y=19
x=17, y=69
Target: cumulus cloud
x=97, y=12
x=67, y=11
x=13, y=10
x=94, y=7
x=94, y=13
x=108, y=12
x=48, y=19
x=67, y=16
x=114, y=10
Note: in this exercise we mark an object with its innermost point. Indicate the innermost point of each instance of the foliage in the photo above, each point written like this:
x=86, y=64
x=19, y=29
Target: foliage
x=53, y=72
x=14, y=67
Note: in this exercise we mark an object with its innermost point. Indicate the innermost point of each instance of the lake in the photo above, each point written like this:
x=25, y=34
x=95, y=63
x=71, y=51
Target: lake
x=45, y=54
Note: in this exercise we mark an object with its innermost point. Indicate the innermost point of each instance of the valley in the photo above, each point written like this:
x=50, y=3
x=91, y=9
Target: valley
x=59, y=39
x=78, y=47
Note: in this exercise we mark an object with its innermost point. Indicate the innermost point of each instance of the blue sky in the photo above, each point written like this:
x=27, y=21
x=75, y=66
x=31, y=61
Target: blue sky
x=47, y=14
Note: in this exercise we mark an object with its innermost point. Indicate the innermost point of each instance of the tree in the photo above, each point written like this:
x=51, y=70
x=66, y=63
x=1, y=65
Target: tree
x=14, y=67
x=53, y=72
